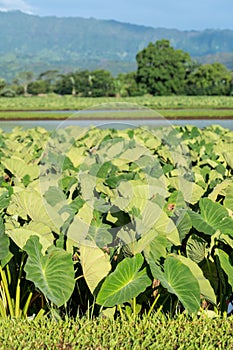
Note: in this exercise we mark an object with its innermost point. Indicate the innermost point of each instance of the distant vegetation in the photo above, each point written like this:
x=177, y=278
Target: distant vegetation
x=161, y=71
x=32, y=43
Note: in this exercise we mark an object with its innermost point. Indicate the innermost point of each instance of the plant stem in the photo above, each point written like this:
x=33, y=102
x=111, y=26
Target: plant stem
x=17, y=299
x=2, y=310
x=153, y=305
x=121, y=312
x=27, y=304
x=134, y=307
x=6, y=289
x=40, y=314
x=18, y=291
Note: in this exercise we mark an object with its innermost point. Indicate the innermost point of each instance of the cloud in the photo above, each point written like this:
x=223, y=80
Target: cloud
x=8, y=5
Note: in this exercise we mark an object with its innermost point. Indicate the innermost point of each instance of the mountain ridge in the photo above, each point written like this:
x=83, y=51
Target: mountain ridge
x=32, y=42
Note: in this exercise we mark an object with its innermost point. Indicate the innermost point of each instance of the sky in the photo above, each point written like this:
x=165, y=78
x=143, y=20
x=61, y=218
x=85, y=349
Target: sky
x=180, y=14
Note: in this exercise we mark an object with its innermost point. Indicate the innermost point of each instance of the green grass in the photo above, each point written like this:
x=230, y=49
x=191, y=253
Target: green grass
x=100, y=334
x=173, y=107
x=32, y=115
x=169, y=114
x=55, y=102
x=197, y=113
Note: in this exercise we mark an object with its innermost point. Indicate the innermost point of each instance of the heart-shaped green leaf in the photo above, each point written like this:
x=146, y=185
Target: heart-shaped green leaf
x=125, y=283
x=95, y=264
x=52, y=273
x=213, y=217
x=179, y=280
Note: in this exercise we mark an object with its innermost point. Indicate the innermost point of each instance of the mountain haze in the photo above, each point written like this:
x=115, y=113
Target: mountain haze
x=29, y=42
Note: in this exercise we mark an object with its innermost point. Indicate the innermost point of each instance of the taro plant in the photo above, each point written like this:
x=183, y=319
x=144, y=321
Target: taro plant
x=15, y=294
x=211, y=243
x=107, y=221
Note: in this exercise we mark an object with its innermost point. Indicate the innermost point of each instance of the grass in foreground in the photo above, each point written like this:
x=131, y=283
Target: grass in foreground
x=146, y=333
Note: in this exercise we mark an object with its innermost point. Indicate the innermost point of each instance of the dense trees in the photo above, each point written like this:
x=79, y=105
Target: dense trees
x=5, y=91
x=161, y=70
x=86, y=83
x=126, y=85
x=210, y=79
x=44, y=83
x=24, y=79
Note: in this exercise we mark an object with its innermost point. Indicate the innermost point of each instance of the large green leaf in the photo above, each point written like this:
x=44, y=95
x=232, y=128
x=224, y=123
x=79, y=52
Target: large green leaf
x=205, y=286
x=226, y=265
x=54, y=195
x=153, y=217
x=52, y=273
x=30, y=203
x=95, y=264
x=137, y=246
x=228, y=201
x=125, y=283
x=158, y=248
x=196, y=248
x=20, y=236
x=19, y=168
x=190, y=190
x=133, y=194
x=4, y=198
x=219, y=189
x=183, y=225
x=79, y=228
x=162, y=226
x=5, y=254
x=213, y=217
x=179, y=280
x=228, y=155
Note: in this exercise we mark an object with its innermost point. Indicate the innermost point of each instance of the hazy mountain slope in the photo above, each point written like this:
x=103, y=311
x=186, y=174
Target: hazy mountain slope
x=39, y=43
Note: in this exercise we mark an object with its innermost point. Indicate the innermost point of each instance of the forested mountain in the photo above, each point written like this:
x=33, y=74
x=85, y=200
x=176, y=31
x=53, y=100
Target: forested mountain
x=29, y=42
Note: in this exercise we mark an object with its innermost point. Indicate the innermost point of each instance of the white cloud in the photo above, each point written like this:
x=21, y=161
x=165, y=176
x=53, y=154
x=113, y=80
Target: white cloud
x=8, y=5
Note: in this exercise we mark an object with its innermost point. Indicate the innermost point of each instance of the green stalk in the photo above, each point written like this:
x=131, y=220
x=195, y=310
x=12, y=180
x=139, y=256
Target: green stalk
x=39, y=315
x=18, y=291
x=134, y=307
x=79, y=292
x=6, y=288
x=27, y=304
x=121, y=312
x=92, y=310
x=2, y=310
x=17, y=299
x=153, y=305
x=8, y=274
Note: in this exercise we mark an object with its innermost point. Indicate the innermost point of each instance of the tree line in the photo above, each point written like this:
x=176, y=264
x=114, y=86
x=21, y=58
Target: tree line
x=161, y=71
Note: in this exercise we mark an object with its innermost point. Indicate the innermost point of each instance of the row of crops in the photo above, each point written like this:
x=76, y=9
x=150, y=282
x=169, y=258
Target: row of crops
x=57, y=102
x=113, y=222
